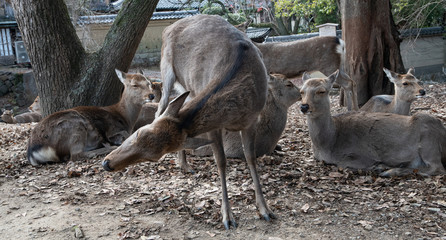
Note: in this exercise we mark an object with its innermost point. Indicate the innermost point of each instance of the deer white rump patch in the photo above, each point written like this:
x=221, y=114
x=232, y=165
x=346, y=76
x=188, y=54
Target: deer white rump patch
x=43, y=155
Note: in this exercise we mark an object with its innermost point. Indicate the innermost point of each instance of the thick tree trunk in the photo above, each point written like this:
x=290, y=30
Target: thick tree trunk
x=372, y=43
x=65, y=74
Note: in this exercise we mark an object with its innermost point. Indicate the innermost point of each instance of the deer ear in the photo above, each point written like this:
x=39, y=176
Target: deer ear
x=175, y=105
x=121, y=76
x=306, y=76
x=194, y=143
x=392, y=76
x=411, y=71
x=332, y=78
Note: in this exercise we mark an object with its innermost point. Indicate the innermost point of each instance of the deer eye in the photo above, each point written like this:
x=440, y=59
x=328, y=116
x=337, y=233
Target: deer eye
x=321, y=92
x=405, y=83
x=151, y=96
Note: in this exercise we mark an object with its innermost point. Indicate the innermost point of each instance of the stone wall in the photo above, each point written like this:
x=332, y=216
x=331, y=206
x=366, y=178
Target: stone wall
x=20, y=84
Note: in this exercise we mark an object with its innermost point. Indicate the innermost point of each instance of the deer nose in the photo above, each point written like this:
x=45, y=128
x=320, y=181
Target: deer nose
x=106, y=166
x=422, y=92
x=304, y=108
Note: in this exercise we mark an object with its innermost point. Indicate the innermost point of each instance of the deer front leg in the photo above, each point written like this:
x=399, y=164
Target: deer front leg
x=182, y=162
x=220, y=159
x=248, y=141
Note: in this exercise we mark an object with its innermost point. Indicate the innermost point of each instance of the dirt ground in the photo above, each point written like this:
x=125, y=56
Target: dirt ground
x=312, y=200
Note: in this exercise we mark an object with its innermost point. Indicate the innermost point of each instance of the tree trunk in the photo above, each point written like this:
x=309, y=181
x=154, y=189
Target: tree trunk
x=66, y=75
x=372, y=42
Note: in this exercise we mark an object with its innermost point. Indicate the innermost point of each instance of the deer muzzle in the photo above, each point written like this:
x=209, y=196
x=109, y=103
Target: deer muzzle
x=304, y=108
x=106, y=166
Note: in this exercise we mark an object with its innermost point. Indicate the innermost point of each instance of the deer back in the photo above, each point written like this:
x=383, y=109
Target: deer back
x=28, y=117
x=294, y=58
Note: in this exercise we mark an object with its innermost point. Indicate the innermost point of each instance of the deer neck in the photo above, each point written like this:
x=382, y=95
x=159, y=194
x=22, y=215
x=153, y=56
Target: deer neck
x=129, y=111
x=322, y=130
x=400, y=106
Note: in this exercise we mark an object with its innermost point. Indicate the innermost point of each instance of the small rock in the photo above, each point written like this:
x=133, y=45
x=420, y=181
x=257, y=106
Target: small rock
x=433, y=209
x=78, y=232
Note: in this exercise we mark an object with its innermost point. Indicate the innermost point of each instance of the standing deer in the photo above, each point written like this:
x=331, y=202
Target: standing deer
x=363, y=140
x=223, y=72
x=282, y=93
x=407, y=90
x=64, y=134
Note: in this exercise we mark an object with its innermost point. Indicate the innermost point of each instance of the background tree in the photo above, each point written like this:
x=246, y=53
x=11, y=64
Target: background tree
x=419, y=13
x=66, y=74
x=306, y=14
x=372, y=42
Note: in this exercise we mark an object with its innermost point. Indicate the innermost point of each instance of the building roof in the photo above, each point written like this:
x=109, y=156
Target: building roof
x=429, y=31
x=110, y=18
x=258, y=34
x=165, y=5
x=289, y=38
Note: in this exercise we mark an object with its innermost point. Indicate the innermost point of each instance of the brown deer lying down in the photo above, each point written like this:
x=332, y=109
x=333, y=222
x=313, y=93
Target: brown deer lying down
x=363, y=140
x=407, y=90
x=227, y=81
x=26, y=117
x=62, y=135
x=34, y=114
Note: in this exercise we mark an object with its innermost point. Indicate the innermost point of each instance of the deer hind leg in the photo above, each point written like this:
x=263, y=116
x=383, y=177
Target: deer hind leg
x=182, y=162
x=220, y=159
x=248, y=141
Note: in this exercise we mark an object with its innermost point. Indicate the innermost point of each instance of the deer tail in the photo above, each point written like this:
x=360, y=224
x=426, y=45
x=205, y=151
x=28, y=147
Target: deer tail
x=39, y=154
x=340, y=48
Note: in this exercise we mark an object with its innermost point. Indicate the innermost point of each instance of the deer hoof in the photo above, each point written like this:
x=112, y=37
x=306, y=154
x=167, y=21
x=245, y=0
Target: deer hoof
x=106, y=166
x=269, y=216
x=229, y=223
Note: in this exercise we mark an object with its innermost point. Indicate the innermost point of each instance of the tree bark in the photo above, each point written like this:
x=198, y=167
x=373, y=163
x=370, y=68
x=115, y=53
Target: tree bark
x=66, y=75
x=372, y=42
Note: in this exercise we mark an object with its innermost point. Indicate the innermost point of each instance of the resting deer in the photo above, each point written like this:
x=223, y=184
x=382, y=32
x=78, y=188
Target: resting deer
x=64, y=134
x=363, y=140
x=224, y=74
x=26, y=117
x=407, y=90
x=34, y=114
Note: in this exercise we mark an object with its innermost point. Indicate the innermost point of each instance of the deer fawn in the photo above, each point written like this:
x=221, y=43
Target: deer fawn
x=223, y=72
x=64, y=134
x=407, y=90
x=363, y=140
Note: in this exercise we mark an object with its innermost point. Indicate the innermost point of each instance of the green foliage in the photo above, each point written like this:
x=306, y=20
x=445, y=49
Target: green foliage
x=213, y=10
x=315, y=12
x=233, y=18
x=419, y=13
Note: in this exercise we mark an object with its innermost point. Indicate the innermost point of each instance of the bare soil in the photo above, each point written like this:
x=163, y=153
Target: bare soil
x=312, y=200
